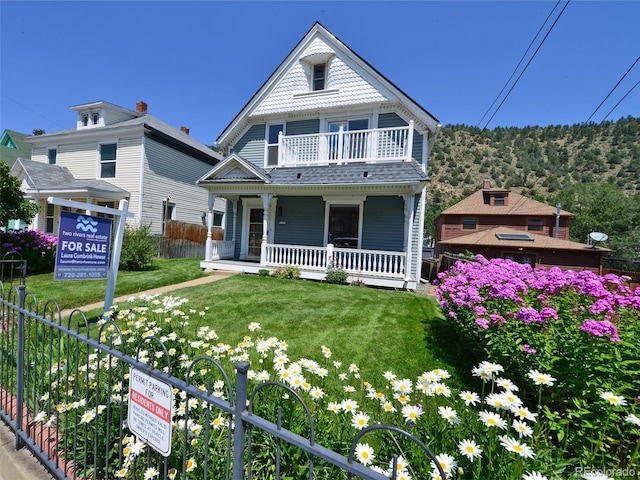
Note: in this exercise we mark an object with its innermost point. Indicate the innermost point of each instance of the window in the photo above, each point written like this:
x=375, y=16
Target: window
x=354, y=145
x=108, y=160
x=52, y=153
x=85, y=119
x=49, y=218
x=535, y=224
x=526, y=259
x=498, y=199
x=469, y=223
x=319, y=76
x=272, y=143
x=95, y=117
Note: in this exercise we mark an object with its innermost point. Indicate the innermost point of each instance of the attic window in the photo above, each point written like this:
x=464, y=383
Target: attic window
x=319, y=76
x=95, y=117
x=498, y=199
x=85, y=119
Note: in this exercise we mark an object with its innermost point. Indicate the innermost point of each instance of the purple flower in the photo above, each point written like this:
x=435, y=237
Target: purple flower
x=600, y=328
x=482, y=322
x=526, y=348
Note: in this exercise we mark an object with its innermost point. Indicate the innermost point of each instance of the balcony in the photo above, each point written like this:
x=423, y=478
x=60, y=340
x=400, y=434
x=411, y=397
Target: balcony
x=373, y=145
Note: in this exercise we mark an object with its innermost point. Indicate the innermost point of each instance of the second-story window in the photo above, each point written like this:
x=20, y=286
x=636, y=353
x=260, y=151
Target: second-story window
x=535, y=224
x=108, y=152
x=319, y=76
x=52, y=155
x=272, y=143
x=498, y=199
x=469, y=223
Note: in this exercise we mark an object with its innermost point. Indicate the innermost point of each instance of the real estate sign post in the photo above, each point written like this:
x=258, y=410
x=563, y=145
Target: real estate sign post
x=83, y=244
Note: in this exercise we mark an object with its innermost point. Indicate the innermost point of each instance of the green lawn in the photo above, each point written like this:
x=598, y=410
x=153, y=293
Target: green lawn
x=377, y=329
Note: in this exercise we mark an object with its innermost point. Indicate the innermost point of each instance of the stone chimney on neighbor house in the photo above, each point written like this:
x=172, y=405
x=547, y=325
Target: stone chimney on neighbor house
x=141, y=107
x=184, y=130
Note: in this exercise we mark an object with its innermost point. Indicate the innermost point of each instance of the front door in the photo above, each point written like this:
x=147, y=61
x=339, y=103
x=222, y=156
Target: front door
x=343, y=225
x=255, y=233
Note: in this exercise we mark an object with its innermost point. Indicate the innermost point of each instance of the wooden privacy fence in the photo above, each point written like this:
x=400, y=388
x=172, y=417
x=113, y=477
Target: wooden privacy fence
x=185, y=240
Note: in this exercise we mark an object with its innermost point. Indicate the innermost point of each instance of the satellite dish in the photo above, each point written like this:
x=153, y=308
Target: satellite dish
x=598, y=236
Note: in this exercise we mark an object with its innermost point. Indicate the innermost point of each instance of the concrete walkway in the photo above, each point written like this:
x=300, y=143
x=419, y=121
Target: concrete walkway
x=21, y=464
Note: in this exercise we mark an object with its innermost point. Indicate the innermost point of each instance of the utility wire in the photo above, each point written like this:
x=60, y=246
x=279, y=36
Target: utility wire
x=30, y=109
x=527, y=65
x=611, y=91
x=520, y=62
x=619, y=102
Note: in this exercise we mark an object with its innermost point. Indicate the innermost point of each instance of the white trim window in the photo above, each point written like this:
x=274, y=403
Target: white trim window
x=319, y=77
x=52, y=155
x=272, y=133
x=108, y=154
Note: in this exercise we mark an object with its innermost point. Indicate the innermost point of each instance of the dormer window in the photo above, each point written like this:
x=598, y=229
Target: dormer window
x=319, y=76
x=95, y=118
x=85, y=119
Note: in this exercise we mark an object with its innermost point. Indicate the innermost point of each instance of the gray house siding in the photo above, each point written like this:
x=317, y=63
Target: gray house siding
x=416, y=238
x=303, y=127
x=301, y=221
x=383, y=224
x=251, y=146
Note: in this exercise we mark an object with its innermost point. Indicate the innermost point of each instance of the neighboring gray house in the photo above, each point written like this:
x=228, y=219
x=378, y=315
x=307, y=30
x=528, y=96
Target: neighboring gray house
x=327, y=165
x=114, y=153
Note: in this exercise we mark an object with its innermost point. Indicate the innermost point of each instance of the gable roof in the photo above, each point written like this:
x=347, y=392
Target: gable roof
x=517, y=205
x=488, y=238
x=12, y=146
x=317, y=45
x=42, y=179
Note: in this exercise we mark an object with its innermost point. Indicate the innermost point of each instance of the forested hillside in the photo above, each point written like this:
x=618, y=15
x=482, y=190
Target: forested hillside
x=592, y=169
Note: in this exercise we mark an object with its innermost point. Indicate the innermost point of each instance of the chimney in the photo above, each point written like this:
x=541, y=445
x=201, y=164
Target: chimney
x=184, y=130
x=486, y=184
x=141, y=107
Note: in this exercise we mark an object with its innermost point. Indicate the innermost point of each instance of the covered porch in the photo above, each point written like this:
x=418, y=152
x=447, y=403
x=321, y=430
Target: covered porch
x=370, y=267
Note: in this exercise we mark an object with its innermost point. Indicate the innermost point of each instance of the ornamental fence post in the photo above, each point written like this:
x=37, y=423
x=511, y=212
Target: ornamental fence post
x=239, y=430
x=20, y=366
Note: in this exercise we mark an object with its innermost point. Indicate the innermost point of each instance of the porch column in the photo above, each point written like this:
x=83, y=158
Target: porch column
x=409, y=210
x=234, y=202
x=209, y=243
x=266, y=200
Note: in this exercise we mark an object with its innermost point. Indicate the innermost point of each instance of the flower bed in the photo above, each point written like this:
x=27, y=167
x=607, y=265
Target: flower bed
x=582, y=328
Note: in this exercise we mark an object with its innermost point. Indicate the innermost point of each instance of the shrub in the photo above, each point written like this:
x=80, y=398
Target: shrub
x=337, y=275
x=287, y=271
x=34, y=246
x=263, y=272
x=139, y=248
x=583, y=328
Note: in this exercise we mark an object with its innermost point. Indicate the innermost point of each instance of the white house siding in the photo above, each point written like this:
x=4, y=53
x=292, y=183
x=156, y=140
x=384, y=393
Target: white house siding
x=39, y=155
x=80, y=158
x=128, y=158
x=351, y=90
x=161, y=164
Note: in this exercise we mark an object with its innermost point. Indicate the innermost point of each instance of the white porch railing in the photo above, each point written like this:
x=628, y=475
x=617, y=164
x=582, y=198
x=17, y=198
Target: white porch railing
x=386, y=144
x=222, y=249
x=354, y=261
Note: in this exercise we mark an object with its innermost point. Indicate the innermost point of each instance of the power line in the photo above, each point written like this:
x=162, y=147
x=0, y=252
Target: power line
x=611, y=91
x=620, y=101
x=528, y=63
x=520, y=62
x=31, y=110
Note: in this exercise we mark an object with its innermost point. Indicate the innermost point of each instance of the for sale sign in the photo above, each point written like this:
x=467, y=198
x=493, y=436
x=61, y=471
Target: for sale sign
x=83, y=247
x=150, y=410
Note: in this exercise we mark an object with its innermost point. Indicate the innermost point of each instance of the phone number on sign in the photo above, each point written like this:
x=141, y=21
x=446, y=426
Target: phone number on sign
x=81, y=275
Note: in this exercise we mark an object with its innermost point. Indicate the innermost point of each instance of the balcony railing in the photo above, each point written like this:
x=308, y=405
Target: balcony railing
x=378, y=144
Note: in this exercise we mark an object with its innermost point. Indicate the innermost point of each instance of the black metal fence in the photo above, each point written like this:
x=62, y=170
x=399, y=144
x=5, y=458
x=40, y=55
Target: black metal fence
x=63, y=392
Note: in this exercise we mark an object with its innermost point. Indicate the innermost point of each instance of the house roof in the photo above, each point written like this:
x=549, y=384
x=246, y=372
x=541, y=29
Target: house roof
x=320, y=43
x=235, y=169
x=488, y=238
x=144, y=120
x=43, y=179
x=12, y=146
x=517, y=205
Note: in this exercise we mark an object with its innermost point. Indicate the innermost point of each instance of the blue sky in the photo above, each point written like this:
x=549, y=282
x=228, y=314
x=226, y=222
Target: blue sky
x=197, y=63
